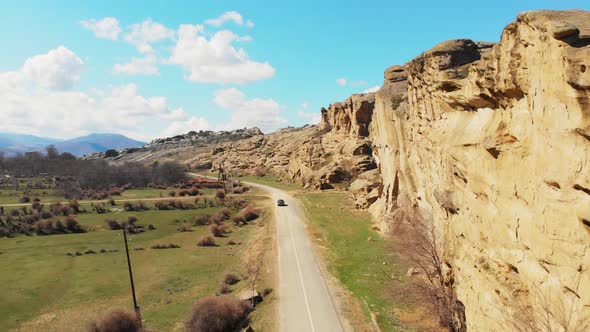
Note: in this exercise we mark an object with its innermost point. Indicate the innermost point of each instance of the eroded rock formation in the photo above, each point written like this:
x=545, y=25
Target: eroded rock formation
x=490, y=142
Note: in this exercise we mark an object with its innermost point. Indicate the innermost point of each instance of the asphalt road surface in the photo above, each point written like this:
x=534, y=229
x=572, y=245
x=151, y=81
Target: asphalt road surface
x=304, y=301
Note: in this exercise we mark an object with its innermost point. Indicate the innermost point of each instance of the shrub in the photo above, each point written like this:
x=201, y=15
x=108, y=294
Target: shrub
x=231, y=242
x=46, y=215
x=203, y=220
x=25, y=199
x=37, y=206
x=89, y=252
x=184, y=228
x=112, y=202
x=250, y=213
x=151, y=227
x=218, y=314
x=72, y=225
x=207, y=241
x=231, y=278
x=172, y=193
x=223, y=289
x=36, y=199
x=117, y=321
x=220, y=195
x=217, y=218
x=165, y=246
x=194, y=192
x=113, y=224
x=217, y=231
x=99, y=208
x=226, y=213
x=102, y=251
x=132, y=220
x=74, y=206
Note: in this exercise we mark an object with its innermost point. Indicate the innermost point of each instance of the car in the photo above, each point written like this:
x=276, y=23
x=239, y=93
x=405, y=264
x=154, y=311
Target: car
x=281, y=202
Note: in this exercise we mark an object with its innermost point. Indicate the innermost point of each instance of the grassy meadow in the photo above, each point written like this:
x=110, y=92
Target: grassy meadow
x=44, y=289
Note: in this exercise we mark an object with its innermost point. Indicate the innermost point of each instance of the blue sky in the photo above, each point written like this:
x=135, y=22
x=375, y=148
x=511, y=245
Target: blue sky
x=273, y=64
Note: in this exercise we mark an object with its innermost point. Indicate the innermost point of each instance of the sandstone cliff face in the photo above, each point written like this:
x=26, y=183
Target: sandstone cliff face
x=492, y=143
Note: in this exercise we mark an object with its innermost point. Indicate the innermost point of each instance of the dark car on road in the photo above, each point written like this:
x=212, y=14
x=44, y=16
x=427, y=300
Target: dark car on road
x=281, y=202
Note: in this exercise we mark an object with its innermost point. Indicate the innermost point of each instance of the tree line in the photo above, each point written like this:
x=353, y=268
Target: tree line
x=89, y=174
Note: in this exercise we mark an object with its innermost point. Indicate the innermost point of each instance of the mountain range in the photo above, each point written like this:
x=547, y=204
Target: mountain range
x=12, y=144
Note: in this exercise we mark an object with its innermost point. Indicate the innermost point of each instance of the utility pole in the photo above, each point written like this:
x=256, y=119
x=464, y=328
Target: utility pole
x=135, y=306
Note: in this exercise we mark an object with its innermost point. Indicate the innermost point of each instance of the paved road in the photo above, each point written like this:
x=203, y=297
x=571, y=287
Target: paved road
x=304, y=301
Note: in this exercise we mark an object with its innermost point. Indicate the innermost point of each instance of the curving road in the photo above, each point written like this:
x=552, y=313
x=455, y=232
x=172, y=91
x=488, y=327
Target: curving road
x=304, y=301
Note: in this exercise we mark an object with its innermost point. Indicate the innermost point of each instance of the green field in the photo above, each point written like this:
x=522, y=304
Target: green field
x=46, y=290
x=358, y=256
x=10, y=196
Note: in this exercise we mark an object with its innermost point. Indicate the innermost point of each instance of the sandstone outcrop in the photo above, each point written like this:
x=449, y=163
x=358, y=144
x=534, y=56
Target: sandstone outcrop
x=499, y=134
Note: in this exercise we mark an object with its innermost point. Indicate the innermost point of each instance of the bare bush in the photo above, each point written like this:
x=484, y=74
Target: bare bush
x=417, y=241
x=231, y=278
x=548, y=314
x=218, y=314
x=207, y=241
x=165, y=246
x=217, y=231
x=202, y=220
x=220, y=195
x=117, y=321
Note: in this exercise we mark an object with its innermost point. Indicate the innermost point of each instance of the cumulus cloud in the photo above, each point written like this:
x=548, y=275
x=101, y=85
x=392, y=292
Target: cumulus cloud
x=346, y=82
x=373, y=89
x=107, y=28
x=310, y=117
x=250, y=24
x=31, y=104
x=139, y=66
x=183, y=127
x=262, y=113
x=215, y=60
x=144, y=34
x=59, y=69
x=342, y=81
x=226, y=17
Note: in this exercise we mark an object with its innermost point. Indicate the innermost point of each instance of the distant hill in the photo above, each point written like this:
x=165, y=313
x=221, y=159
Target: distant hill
x=12, y=144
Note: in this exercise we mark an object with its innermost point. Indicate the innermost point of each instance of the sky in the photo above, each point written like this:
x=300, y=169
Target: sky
x=149, y=69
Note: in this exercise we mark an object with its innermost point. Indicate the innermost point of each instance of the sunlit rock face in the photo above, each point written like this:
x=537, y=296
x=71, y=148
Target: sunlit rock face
x=502, y=133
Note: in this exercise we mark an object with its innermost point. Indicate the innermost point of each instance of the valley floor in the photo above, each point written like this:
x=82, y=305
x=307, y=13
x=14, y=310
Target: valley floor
x=46, y=290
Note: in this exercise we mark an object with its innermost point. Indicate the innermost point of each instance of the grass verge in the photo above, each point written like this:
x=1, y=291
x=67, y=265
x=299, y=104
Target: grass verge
x=356, y=255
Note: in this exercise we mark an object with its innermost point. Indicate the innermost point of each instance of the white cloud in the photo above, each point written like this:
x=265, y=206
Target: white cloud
x=215, y=60
x=32, y=109
x=373, y=89
x=148, y=32
x=311, y=118
x=138, y=66
x=346, y=82
x=250, y=24
x=107, y=28
x=59, y=69
x=225, y=17
x=262, y=113
x=183, y=127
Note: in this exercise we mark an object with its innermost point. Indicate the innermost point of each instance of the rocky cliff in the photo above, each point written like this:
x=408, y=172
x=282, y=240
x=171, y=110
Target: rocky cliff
x=490, y=143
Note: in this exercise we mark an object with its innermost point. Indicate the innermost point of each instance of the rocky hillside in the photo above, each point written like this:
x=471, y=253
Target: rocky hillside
x=488, y=142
